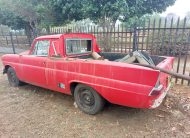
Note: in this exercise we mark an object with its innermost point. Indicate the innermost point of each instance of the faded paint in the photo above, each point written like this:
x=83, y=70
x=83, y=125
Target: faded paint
x=119, y=83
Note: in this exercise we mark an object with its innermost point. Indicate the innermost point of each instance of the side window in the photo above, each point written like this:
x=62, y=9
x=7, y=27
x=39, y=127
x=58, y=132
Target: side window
x=41, y=48
x=54, y=50
x=78, y=46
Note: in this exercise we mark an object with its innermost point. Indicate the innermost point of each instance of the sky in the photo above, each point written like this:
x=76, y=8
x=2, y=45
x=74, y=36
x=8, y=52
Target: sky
x=180, y=8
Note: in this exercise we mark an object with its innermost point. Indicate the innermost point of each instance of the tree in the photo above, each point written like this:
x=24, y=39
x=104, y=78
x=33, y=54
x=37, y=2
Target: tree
x=11, y=20
x=42, y=13
x=28, y=14
x=105, y=11
x=35, y=13
x=65, y=11
x=109, y=11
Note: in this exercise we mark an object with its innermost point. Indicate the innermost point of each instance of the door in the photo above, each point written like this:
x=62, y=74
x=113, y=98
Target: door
x=56, y=68
x=33, y=65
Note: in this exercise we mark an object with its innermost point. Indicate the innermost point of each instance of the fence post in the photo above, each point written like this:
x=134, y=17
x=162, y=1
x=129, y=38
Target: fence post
x=153, y=35
x=12, y=43
x=135, y=46
x=69, y=30
x=148, y=35
x=17, y=39
x=29, y=40
x=179, y=57
x=7, y=41
x=48, y=29
x=2, y=32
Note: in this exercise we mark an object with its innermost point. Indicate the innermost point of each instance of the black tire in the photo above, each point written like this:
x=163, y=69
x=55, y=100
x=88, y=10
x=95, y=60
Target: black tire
x=88, y=100
x=12, y=78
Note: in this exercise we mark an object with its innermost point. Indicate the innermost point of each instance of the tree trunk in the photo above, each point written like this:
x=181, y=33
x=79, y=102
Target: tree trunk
x=48, y=29
x=28, y=32
x=31, y=31
x=107, y=37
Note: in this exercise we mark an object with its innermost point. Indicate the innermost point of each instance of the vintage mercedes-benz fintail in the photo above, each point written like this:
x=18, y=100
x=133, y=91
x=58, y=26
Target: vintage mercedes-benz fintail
x=73, y=64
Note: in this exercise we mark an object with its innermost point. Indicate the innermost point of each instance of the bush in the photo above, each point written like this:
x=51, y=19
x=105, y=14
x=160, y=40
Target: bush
x=170, y=43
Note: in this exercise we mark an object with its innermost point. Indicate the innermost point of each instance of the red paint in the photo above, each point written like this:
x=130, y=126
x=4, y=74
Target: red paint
x=119, y=83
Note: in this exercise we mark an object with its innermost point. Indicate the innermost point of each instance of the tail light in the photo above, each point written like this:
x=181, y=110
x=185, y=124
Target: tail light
x=157, y=89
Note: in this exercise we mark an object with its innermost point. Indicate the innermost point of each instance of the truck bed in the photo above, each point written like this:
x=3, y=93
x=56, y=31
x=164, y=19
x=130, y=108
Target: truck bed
x=115, y=56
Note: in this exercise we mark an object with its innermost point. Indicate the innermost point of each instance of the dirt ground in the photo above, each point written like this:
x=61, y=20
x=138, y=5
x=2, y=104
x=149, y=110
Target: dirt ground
x=30, y=111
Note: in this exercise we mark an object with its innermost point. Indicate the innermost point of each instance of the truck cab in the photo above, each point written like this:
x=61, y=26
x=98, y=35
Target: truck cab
x=64, y=45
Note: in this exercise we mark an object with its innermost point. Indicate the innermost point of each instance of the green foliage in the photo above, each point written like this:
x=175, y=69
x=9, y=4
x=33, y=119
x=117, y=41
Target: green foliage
x=59, y=12
x=138, y=8
x=102, y=10
x=141, y=10
x=32, y=12
x=65, y=11
x=10, y=19
x=105, y=12
x=125, y=10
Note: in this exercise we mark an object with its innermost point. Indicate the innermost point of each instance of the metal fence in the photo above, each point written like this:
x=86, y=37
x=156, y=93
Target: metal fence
x=165, y=37
x=14, y=43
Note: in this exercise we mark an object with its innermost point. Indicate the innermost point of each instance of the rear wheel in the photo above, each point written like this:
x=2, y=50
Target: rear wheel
x=12, y=78
x=88, y=100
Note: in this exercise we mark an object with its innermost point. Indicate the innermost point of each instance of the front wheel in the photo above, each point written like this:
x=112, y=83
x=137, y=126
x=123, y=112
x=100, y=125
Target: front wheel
x=12, y=78
x=88, y=100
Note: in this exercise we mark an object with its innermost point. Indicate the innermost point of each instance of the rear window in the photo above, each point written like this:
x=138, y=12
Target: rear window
x=78, y=46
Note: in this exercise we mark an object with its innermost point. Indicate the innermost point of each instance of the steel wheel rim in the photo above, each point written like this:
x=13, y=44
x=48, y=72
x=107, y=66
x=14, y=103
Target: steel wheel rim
x=12, y=77
x=86, y=98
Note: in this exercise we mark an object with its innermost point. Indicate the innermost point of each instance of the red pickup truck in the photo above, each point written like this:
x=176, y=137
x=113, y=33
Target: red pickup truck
x=64, y=63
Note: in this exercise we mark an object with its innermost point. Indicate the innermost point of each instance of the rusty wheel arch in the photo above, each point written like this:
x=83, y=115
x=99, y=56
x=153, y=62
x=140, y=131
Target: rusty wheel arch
x=73, y=86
